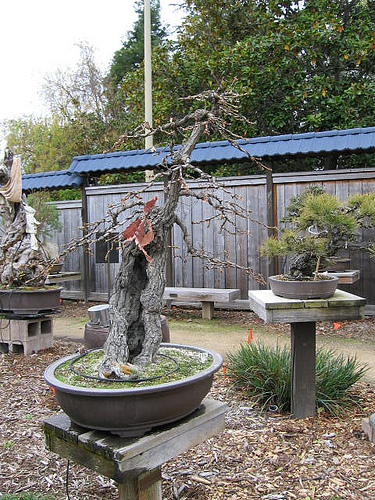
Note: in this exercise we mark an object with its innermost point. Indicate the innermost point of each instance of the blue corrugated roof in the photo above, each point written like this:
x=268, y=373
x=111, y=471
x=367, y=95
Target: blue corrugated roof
x=50, y=180
x=312, y=143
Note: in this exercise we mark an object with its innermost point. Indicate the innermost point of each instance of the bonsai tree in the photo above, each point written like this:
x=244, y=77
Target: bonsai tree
x=317, y=227
x=137, y=296
x=22, y=261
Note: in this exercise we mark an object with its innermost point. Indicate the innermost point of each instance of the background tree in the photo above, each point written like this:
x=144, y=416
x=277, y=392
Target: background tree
x=131, y=54
x=299, y=67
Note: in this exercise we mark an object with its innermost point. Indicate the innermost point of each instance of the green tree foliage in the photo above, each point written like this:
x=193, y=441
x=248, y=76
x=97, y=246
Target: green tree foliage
x=300, y=66
x=43, y=143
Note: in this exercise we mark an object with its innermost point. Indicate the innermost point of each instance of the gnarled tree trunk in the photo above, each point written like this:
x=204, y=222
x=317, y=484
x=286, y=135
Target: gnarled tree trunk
x=137, y=296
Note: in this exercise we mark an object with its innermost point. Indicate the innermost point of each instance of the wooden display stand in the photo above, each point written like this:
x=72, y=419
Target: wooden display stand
x=135, y=463
x=302, y=316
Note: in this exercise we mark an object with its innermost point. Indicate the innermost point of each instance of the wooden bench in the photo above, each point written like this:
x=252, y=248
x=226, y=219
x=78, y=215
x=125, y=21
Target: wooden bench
x=207, y=296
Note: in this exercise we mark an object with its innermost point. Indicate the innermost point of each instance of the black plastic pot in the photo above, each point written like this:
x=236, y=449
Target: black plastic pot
x=293, y=289
x=29, y=302
x=131, y=412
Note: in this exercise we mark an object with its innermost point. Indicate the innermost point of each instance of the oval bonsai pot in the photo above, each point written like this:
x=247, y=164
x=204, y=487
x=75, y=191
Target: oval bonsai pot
x=293, y=289
x=29, y=302
x=131, y=412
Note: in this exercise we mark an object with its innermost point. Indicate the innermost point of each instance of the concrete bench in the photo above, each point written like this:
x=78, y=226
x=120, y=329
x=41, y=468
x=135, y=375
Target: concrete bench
x=207, y=296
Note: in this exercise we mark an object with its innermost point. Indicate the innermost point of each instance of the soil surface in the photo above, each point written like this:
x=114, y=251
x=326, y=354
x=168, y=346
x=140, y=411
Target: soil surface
x=257, y=456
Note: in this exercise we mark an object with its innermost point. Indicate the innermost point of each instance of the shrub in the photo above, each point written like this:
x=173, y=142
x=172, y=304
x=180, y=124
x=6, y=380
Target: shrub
x=264, y=373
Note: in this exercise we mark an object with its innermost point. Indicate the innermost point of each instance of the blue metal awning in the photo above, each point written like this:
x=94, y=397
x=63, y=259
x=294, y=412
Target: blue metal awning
x=62, y=179
x=312, y=143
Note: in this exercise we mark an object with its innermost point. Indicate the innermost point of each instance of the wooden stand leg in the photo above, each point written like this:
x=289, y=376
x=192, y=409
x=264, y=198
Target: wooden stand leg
x=146, y=486
x=303, y=369
x=207, y=310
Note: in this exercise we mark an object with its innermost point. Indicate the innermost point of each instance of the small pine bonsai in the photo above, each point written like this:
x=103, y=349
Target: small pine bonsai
x=317, y=227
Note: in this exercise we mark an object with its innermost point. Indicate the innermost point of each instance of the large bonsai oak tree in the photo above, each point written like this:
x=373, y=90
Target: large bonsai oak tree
x=137, y=296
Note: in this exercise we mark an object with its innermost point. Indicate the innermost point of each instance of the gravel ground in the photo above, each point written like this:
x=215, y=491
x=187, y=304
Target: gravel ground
x=257, y=456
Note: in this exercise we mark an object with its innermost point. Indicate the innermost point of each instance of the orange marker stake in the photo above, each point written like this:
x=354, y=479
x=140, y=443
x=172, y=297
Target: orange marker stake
x=225, y=370
x=250, y=337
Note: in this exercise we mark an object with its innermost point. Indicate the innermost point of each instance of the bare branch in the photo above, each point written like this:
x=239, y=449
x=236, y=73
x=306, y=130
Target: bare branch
x=215, y=262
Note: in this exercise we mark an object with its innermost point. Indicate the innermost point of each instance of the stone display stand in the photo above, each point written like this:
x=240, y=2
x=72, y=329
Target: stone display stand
x=26, y=336
x=302, y=316
x=135, y=463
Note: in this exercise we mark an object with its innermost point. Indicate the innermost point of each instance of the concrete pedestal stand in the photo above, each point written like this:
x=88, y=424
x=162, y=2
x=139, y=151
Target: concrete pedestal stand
x=135, y=463
x=24, y=335
x=302, y=316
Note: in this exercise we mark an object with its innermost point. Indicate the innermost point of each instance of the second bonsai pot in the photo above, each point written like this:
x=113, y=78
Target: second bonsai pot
x=29, y=302
x=322, y=288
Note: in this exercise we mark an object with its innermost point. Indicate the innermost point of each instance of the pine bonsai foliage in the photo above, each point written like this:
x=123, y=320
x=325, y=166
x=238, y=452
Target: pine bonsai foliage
x=318, y=226
x=264, y=374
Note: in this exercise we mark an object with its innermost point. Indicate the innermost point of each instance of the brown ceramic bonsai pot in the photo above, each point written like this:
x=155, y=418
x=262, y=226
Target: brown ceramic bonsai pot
x=21, y=302
x=321, y=288
x=130, y=412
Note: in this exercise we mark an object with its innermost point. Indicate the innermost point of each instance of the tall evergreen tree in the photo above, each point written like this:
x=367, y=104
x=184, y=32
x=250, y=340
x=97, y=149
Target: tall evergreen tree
x=131, y=54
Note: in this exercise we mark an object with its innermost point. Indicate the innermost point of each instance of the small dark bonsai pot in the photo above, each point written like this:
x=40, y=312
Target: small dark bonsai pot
x=321, y=288
x=96, y=335
x=21, y=302
x=131, y=412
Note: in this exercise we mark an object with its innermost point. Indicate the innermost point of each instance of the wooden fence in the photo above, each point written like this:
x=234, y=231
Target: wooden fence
x=265, y=196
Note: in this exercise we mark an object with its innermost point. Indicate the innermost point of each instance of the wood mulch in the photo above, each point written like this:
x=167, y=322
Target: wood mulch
x=257, y=456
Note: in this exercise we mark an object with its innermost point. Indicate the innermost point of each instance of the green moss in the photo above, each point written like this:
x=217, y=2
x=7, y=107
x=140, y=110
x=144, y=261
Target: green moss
x=171, y=365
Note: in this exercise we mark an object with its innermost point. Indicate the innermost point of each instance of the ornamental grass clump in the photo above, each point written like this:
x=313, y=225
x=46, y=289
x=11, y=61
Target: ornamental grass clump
x=264, y=373
x=335, y=374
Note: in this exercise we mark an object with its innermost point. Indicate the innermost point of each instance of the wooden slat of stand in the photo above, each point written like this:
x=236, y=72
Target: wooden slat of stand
x=345, y=277
x=133, y=462
x=52, y=279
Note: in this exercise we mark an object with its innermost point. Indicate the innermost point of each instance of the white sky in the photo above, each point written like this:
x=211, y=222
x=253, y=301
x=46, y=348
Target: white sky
x=40, y=36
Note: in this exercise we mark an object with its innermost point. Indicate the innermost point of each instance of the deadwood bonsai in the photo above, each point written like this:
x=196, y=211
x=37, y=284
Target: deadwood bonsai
x=137, y=295
x=22, y=261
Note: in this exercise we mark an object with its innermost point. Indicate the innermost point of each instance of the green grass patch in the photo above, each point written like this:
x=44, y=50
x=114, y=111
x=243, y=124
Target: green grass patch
x=264, y=373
